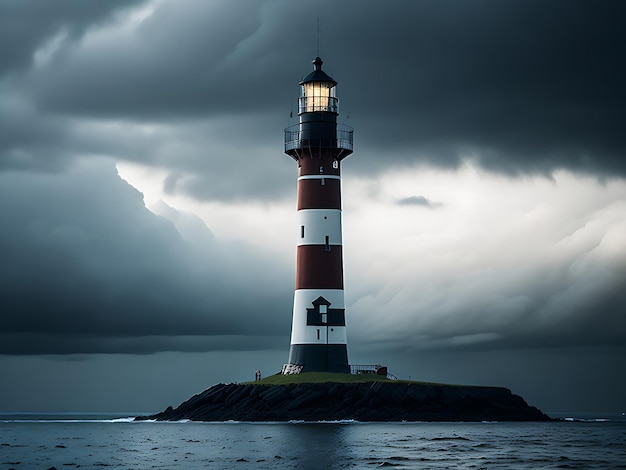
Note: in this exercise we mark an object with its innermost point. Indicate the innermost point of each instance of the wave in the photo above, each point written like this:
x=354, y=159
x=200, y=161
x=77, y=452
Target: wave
x=586, y=420
x=56, y=419
x=337, y=421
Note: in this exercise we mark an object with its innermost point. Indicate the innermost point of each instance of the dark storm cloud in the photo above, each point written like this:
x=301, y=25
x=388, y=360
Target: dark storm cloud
x=25, y=25
x=188, y=58
x=30, y=139
x=25, y=137
x=87, y=268
x=520, y=87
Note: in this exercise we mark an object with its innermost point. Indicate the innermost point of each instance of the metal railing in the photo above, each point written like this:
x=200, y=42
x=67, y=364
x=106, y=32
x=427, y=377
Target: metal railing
x=312, y=104
x=375, y=369
x=343, y=140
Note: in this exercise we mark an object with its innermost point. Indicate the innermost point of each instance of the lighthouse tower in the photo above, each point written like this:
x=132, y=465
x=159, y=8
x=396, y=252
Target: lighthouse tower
x=318, y=145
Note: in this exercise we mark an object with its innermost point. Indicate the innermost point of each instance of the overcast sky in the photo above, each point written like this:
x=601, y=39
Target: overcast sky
x=149, y=218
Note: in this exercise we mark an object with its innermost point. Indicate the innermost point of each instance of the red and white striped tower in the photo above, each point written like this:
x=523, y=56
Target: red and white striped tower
x=318, y=144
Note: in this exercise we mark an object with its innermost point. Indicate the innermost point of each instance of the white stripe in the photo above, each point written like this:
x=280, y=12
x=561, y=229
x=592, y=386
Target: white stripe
x=319, y=224
x=319, y=177
x=308, y=335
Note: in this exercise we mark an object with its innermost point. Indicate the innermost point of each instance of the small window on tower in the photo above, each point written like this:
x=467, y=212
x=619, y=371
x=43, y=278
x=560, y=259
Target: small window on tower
x=318, y=333
x=327, y=244
x=335, y=164
x=301, y=231
x=323, y=180
x=324, y=318
x=321, y=169
x=323, y=308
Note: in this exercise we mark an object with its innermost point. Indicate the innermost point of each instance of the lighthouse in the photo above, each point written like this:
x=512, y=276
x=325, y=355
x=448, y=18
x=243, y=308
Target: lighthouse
x=318, y=145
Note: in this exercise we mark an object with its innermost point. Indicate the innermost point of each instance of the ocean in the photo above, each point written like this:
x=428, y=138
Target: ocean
x=98, y=441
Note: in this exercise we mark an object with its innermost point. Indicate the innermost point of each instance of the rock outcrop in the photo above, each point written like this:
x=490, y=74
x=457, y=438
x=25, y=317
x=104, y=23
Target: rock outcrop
x=368, y=401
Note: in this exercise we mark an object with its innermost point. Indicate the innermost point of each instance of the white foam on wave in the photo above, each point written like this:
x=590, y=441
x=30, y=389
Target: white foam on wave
x=586, y=420
x=67, y=421
x=129, y=419
x=338, y=421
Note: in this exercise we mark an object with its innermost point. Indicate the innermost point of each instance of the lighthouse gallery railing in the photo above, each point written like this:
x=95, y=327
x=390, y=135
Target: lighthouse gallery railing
x=293, y=139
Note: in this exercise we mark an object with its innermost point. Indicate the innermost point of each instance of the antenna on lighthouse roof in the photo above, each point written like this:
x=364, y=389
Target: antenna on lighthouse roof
x=318, y=36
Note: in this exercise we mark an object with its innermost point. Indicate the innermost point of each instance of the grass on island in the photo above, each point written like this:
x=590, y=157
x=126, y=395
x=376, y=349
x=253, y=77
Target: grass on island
x=319, y=378
x=324, y=377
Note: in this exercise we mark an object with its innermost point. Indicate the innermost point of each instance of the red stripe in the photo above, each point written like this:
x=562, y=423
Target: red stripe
x=312, y=194
x=317, y=268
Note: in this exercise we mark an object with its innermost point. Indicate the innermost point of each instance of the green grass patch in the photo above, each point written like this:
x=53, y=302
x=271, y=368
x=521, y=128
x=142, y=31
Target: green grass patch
x=319, y=377
x=324, y=377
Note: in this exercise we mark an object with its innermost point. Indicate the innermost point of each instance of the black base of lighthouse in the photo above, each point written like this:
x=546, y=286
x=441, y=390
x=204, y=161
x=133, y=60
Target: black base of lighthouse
x=320, y=357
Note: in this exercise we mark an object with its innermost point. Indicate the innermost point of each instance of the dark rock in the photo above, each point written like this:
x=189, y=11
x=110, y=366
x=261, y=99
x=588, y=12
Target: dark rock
x=368, y=401
x=307, y=399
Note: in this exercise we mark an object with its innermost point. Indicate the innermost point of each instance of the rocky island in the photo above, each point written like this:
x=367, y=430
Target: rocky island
x=367, y=397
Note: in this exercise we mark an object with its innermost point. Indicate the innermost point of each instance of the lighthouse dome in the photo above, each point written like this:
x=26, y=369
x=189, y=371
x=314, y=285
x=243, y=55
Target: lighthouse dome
x=318, y=75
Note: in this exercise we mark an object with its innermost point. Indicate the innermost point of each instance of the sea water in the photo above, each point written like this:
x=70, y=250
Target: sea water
x=102, y=442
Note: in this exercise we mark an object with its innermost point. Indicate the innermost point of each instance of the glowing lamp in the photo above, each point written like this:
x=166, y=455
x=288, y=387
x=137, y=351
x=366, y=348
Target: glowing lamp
x=318, y=91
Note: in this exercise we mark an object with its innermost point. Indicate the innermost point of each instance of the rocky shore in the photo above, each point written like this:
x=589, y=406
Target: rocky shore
x=366, y=401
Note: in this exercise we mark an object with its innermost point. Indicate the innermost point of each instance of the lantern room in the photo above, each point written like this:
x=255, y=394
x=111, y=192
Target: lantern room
x=318, y=91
